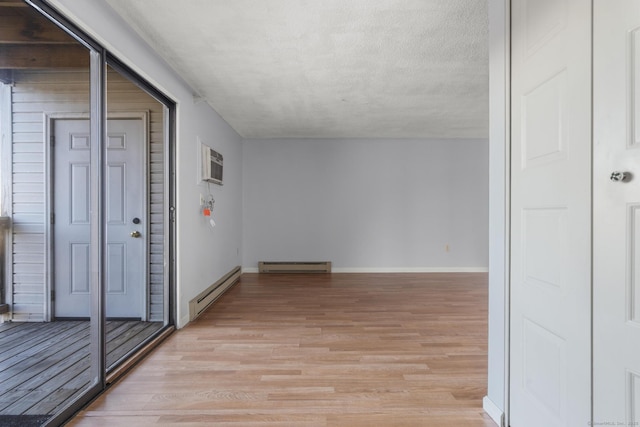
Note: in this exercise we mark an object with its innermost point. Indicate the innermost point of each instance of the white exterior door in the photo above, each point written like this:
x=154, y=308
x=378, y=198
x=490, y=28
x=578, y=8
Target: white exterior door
x=616, y=294
x=550, y=363
x=124, y=214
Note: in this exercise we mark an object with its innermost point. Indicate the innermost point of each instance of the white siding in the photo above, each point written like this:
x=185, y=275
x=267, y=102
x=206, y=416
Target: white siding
x=34, y=94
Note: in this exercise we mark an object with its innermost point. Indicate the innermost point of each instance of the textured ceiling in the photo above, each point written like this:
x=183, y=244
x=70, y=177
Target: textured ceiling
x=328, y=68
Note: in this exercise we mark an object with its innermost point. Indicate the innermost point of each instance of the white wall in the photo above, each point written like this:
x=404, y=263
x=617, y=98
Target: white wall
x=495, y=401
x=367, y=205
x=203, y=254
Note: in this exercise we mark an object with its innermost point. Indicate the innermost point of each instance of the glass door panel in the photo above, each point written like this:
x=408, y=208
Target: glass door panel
x=48, y=336
x=134, y=207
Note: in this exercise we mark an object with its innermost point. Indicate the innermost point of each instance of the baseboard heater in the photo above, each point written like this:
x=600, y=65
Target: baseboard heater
x=294, y=267
x=212, y=293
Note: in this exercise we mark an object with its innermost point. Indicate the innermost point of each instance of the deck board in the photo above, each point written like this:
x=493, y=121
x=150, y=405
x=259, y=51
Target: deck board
x=122, y=343
x=8, y=338
x=34, y=343
x=45, y=365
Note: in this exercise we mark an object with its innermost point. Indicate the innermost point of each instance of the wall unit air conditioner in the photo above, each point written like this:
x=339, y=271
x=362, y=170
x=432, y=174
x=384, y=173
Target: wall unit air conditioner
x=211, y=165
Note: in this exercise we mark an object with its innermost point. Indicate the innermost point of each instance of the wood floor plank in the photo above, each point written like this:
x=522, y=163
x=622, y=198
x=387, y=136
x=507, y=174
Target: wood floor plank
x=318, y=350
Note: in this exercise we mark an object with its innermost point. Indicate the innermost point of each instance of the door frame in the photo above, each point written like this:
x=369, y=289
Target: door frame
x=497, y=404
x=49, y=120
x=6, y=192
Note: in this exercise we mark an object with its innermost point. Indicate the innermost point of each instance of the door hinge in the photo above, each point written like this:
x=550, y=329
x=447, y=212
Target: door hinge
x=53, y=218
x=53, y=295
x=52, y=140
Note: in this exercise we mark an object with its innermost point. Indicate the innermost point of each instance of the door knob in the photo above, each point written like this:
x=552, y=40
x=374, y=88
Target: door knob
x=135, y=234
x=620, y=176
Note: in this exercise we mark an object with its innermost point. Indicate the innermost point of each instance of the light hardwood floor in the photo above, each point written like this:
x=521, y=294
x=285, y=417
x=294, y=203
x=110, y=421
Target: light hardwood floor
x=317, y=350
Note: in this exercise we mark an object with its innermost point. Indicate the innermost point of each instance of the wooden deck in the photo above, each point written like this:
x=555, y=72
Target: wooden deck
x=338, y=350
x=44, y=365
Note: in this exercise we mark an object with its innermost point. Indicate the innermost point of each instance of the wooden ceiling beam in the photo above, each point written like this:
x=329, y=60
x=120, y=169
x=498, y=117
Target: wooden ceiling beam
x=12, y=3
x=31, y=29
x=32, y=56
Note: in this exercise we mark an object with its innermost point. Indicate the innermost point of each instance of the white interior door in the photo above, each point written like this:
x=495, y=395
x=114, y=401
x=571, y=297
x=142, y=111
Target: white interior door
x=616, y=297
x=124, y=214
x=550, y=363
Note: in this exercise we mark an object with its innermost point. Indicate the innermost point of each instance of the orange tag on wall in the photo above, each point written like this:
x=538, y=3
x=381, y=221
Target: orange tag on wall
x=206, y=212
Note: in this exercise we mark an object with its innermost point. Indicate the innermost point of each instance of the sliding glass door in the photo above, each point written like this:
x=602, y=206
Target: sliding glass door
x=49, y=356
x=85, y=162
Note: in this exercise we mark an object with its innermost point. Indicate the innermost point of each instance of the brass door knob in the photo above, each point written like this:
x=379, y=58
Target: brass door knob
x=135, y=234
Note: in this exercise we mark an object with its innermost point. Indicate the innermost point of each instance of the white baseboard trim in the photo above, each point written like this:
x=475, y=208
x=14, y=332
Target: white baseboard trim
x=397, y=270
x=413, y=270
x=493, y=411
